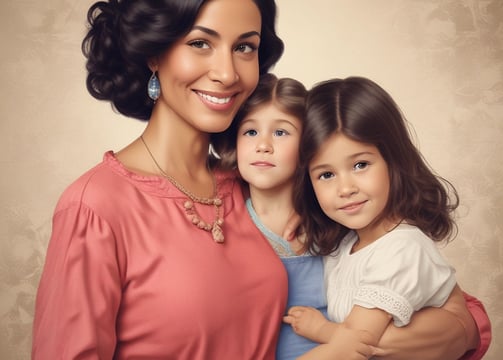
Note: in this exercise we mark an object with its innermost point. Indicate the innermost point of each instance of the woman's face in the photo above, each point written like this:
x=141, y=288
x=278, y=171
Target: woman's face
x=207, y=74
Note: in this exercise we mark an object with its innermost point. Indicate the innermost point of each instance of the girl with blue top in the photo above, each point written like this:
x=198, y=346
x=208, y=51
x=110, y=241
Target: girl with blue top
x=267, y=132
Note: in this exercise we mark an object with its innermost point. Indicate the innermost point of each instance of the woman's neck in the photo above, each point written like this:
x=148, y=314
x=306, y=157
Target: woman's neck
x=177, y=148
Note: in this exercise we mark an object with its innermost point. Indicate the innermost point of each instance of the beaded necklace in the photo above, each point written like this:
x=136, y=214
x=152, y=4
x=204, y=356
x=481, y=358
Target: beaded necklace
x=216, y=227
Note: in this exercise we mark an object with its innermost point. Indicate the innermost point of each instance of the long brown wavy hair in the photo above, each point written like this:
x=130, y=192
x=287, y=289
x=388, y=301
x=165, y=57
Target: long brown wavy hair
x=360, y=109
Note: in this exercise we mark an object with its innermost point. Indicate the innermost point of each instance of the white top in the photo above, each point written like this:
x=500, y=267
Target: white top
x=400, y=273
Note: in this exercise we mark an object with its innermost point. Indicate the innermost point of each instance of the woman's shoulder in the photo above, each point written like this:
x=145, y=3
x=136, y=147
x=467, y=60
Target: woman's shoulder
x=110, y=186
x=101, y=183
x=228, y=181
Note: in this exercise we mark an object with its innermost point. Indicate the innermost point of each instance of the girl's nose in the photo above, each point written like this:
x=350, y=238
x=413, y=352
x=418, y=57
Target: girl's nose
x=347, y=187
x=264, y=146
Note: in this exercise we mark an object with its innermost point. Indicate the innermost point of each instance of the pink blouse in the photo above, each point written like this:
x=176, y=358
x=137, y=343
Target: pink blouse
x=127, y=276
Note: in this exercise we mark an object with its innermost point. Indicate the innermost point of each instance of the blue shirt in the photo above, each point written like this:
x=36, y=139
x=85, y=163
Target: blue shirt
x=305, y=287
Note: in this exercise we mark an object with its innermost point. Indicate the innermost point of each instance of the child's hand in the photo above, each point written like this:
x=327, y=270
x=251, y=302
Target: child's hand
x=308, y=322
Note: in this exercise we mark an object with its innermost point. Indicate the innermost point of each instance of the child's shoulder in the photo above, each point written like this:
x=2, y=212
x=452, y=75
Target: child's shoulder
x=405, y=235
x=406, y=241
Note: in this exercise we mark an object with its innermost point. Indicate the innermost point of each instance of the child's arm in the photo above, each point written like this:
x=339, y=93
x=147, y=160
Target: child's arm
x=374, y=321
x=352, y=339
x=434, y=333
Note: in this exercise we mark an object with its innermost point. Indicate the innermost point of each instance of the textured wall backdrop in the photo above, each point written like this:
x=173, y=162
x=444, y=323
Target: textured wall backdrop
x=442, y=60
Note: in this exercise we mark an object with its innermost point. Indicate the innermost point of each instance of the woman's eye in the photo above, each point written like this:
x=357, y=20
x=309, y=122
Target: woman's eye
x=361, y=165
x=246, y=48
x=200, y=44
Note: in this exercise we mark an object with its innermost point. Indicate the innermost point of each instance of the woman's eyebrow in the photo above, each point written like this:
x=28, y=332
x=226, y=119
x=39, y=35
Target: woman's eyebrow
x=216, y=34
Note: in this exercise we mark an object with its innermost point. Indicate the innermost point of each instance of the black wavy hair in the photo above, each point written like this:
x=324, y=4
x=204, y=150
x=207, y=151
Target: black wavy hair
x=124, y=34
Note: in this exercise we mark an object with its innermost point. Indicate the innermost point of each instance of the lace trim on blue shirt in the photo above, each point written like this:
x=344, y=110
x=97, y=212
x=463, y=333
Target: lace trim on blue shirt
x=280, y=245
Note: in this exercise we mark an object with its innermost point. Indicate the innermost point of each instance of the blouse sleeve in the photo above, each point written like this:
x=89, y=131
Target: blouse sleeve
x=403, y=276
x=483, y=323
x=79, y=292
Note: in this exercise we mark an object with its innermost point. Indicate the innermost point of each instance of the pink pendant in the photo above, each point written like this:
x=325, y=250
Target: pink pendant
x=217, y=233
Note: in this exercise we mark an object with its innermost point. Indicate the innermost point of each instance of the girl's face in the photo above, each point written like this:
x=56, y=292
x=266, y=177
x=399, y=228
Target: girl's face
x=267, y=148
x=207, y=74
x=351, y=182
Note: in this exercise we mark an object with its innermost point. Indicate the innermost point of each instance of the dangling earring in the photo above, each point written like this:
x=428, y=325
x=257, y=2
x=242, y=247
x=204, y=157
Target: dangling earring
x=154, y=87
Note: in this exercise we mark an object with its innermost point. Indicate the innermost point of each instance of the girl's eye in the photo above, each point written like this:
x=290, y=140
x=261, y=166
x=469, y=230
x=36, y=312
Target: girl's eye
x=250, y=132
x=246, y=48
x=280, y=132
x=361, y=165
x=326, y=175
x=200, y=44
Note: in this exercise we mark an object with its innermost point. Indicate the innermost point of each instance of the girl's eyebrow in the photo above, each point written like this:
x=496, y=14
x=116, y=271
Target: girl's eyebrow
x=285, y=121
x=351, y=157
x=317, y=168
x=212, y=32
x=362, y=153
x=277, y=121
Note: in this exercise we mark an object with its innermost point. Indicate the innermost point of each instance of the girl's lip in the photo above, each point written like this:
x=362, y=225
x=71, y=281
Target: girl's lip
x=262, y=163
x=352, y=206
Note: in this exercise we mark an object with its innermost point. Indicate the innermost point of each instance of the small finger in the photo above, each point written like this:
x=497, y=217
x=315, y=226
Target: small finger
x=367, y=351
x=288, y=319
x=296, y=309
x=376, y=351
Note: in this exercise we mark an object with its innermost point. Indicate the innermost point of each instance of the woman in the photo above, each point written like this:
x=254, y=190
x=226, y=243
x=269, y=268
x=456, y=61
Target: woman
x=146, y=259
x=153, y=254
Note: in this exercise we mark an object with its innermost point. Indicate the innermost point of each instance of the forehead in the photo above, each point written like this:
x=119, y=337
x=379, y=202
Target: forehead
x=215, y=14
x=340, y=146
x=269, y=113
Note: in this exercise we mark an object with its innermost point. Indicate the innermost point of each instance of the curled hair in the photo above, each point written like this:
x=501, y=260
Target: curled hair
x=363, y=111
x=289, y=95
x=124, y=34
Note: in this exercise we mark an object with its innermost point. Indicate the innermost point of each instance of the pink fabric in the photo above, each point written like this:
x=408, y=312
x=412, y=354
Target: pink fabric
x=127, y=277
x=484, y=325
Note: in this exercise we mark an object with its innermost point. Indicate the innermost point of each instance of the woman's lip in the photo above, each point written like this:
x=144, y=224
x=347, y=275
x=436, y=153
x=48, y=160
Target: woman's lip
x=221, y=101
x=215, y=99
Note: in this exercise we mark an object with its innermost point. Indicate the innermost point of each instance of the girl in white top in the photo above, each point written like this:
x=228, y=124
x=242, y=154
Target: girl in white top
x=369, y=199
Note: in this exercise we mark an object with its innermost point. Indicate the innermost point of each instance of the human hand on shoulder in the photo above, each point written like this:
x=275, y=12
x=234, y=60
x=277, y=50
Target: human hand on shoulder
x=291, y=228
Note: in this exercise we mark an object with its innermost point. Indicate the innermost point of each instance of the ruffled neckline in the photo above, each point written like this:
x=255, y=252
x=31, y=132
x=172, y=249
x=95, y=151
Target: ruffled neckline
x=161, y=186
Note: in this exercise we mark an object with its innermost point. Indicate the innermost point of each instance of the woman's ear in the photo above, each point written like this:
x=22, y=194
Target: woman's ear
x=153, y=64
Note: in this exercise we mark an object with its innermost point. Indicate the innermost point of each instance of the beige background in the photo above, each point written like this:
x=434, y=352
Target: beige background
x=442, y=60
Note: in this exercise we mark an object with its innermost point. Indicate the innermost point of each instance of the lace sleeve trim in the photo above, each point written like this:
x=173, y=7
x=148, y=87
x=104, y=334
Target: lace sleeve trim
x=387, y=300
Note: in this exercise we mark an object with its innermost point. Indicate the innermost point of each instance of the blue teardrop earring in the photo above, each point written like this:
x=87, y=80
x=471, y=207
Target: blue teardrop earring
x=154, y=87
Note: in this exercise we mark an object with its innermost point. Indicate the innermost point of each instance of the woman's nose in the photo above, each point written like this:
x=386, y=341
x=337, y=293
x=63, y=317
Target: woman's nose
x=223, y=69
